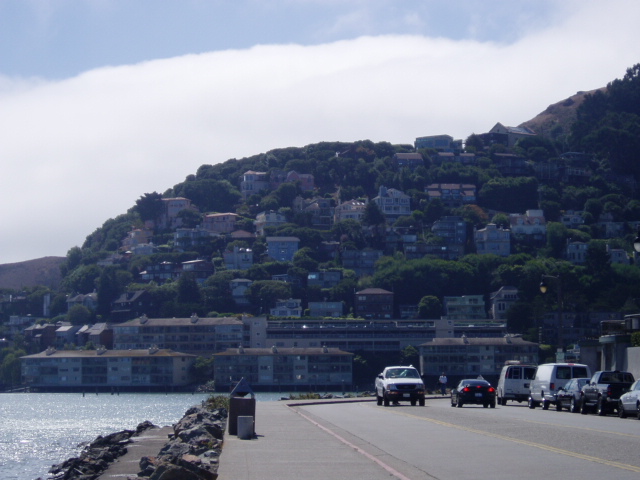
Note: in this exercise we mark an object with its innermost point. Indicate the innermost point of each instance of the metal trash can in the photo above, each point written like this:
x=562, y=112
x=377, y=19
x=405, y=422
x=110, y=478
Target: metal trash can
x=241, y=406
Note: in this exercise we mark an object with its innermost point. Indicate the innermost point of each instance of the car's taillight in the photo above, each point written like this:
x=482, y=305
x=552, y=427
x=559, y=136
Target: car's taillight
x=552, y=386
x=465, y=389
x=491, y=390
x=609, y=391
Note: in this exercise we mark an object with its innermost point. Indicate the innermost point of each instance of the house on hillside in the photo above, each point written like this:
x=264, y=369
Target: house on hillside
x=530, y=226
x=493, y=239
x=220, y=222
x=89, y=300
x=452, y=194
x=501, y=301
x=407, y=160
x=392, y=203
x=268, y=219
x=507, y=136
x=440, y=143
x=374, y=303
x=131, y=305
x=253, y=182
x=238, y=259
x=349, y=210
x=282, y=249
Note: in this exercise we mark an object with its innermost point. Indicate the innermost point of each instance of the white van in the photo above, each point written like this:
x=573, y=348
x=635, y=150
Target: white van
x=514, y=382
x=550, y=377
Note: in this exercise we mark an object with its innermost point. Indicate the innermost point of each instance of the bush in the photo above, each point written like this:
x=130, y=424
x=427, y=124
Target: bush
x=217, y=401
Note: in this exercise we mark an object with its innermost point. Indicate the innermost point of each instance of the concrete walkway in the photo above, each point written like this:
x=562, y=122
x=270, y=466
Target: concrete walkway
x=146, y=445
x=289, y=446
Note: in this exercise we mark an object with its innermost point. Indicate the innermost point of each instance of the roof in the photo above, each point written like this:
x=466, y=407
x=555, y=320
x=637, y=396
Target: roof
x=484, y=341
x=52, y=353
x=179, y=321
x=374, y=291
x=281, y=351
x=283, y=239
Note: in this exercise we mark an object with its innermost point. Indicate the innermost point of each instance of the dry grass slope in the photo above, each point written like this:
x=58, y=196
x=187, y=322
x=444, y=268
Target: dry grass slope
x=561, y=114
x=41, y=271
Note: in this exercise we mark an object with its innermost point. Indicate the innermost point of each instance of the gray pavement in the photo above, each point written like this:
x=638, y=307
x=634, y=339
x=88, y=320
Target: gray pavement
x=148, y=444
x=289, y=445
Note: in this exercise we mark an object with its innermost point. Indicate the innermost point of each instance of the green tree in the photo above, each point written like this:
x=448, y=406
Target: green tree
x=149, y=206
x=265, y=293
x=409, y=356
x=429, y=307
x=188, y=289
x=373, y=215
x=107, y=291
x=79, y=315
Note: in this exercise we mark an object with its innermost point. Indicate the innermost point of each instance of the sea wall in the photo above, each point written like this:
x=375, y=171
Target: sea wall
x=191, y=453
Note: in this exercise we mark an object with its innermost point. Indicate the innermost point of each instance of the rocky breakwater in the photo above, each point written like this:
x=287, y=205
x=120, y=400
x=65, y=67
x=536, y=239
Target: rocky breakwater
x=191, y=452
x=97, y=455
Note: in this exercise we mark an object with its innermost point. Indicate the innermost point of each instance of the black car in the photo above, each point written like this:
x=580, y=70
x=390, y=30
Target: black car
x=570, y=396
x=473, y=391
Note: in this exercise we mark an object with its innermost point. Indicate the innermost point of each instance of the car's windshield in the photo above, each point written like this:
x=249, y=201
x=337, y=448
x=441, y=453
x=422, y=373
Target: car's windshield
x=403, y=373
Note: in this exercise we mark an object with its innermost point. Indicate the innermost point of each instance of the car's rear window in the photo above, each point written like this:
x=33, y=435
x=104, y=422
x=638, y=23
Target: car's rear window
x=580, y=372
x=475, y=383
x=529, y=373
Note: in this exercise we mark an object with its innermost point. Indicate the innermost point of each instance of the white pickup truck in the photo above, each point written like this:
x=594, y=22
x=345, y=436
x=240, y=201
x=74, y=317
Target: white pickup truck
x=399, y=383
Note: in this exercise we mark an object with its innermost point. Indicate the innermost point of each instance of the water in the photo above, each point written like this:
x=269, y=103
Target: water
x=40, y=429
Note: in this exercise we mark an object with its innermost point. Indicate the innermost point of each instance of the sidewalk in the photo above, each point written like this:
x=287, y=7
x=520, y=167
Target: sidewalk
x=146, y=445
x=289, y=446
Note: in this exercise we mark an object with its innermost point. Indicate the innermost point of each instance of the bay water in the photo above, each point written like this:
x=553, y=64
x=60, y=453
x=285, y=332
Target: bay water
x=38, y=430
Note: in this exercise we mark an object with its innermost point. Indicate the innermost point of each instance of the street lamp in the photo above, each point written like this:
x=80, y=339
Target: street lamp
x=544, y=287
x=636, y=241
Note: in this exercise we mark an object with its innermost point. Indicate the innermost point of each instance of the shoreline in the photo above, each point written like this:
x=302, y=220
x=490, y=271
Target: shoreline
x=193, y=448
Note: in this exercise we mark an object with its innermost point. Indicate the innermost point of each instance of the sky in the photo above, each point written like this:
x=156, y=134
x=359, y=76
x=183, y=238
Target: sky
x=102, y=101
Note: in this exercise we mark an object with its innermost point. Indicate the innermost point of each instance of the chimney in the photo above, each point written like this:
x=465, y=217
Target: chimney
x=143, y=319
x=194, y=318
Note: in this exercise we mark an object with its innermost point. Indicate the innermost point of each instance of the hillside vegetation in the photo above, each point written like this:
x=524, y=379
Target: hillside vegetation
x=604, y=126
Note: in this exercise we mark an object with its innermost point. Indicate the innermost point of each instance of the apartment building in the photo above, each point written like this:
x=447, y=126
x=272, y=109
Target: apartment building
x=102, y=369
x=194, y=335
x=320, y=368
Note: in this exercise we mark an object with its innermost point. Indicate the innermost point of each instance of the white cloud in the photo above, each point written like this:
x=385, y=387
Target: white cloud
x=80, y=151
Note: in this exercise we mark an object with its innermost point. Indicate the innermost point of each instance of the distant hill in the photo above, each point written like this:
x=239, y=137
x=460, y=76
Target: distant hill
x=557, y=119
x=41, y=271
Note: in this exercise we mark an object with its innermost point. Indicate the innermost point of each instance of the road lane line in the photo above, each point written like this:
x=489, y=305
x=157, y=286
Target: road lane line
x=541, y=446
x=388, y=468
x=608, y=432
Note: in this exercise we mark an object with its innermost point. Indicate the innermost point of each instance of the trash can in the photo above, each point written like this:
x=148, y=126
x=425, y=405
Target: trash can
x=241, y=406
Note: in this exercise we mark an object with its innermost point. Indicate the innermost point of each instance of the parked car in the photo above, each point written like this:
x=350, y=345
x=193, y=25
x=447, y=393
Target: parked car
x=514, y=382
x=604, y=390
x=473, y=391
x=570, y=396
x=629, y=403
x=399, y=383
x=549, y=378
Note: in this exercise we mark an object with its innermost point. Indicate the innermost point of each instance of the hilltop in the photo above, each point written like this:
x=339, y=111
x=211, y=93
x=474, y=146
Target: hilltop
x=40, y=271
x=558, y=118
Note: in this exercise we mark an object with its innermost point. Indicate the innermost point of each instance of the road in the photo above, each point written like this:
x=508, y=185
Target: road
x=508, y=442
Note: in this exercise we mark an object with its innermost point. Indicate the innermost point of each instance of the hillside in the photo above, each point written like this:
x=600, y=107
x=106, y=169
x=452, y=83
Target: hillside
x=557, y=118
x=41, y=271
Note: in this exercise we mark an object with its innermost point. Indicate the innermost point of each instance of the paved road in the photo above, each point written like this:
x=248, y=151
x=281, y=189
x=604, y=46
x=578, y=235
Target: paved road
x=440, y=442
